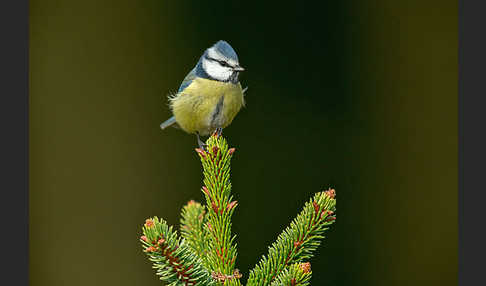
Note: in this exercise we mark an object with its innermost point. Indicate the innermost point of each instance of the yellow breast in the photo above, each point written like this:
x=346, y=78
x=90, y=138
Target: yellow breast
x=206, y=105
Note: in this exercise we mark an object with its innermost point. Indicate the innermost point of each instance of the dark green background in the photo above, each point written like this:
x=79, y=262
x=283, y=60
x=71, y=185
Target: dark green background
x=357, y=95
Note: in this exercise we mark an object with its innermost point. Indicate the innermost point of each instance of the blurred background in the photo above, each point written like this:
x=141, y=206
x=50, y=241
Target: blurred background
x=360, y=96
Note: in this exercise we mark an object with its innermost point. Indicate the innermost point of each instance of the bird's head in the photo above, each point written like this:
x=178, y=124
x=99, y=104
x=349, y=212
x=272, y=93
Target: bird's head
x=220, y=63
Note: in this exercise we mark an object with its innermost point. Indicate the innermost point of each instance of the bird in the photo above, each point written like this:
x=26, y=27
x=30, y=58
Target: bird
x=210, y=95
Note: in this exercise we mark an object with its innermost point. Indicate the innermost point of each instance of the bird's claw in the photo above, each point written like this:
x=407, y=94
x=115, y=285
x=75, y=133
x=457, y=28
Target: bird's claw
x=218, y=132
x=201, y=144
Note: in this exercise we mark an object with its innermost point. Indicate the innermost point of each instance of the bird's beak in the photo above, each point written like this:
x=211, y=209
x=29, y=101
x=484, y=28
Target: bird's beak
x=238, y=68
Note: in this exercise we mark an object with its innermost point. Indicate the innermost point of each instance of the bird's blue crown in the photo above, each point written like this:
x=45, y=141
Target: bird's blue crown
x=226, y=50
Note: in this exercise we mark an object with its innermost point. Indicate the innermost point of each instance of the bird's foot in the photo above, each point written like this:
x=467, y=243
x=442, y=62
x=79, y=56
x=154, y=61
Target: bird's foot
x=218, y=132
x=203, y=146
x=201, y=143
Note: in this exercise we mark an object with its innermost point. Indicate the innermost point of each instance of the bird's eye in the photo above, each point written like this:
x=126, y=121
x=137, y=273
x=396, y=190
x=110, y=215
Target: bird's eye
x=222, y=63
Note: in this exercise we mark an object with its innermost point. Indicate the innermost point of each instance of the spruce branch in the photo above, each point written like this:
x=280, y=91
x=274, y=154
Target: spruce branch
x=217, y=190
x=298, y=241
x=297, y=274
x=206, y=252
x=192, y=229
x=172, y=258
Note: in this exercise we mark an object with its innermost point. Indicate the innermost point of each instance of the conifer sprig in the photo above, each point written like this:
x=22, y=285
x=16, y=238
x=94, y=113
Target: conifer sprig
x=172, y=258
x=193, y=220
x=297, y=274
x=298, y=241
x=206, y=253
x=216, y=160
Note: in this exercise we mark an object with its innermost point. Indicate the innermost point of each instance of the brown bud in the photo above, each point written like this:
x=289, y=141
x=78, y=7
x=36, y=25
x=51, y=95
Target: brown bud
x=331, y=218
x=306, y=267
x=231, y=205
x=218, y=276
x=144, y=238
x=237, y=274
x=325, y=213
x=191, y=202
x=151, y=249
x=201, y=152
x=330, y=193
x=297, y=244
x=161, y=241
x=205, y=190
x=149, y=222
x=231, y=151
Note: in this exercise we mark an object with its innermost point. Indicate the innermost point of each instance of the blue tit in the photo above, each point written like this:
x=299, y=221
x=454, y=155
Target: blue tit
x=210, y=96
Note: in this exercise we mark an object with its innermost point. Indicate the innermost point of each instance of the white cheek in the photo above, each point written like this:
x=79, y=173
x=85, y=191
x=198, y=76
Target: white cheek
x=217, y=71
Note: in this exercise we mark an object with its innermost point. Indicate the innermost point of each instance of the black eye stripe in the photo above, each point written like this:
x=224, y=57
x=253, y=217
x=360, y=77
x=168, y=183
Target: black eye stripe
x=223, y=63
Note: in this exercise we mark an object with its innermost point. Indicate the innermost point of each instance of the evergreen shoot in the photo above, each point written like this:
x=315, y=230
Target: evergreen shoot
x=205, y=253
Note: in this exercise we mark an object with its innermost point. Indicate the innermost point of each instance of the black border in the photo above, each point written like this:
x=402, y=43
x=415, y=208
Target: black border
x=14, y=33
x=472, y=143
x=14, y=119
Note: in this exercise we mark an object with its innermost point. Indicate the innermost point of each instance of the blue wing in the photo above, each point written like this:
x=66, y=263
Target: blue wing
x=187, y=80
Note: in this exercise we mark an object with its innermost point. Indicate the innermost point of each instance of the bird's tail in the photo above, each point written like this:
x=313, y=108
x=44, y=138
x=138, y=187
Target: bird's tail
x=168, y=122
